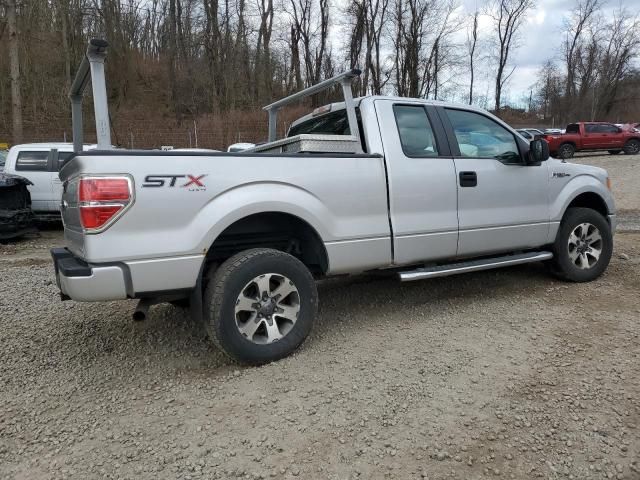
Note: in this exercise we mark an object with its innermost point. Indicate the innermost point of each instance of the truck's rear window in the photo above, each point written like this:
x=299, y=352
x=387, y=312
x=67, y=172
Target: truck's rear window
x=333, y=123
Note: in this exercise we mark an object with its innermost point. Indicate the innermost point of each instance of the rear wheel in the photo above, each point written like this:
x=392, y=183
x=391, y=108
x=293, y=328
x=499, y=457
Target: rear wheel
x=615, y=152
x=583, y=246
x=566, y=150
x=632, y=147
x=260, y=305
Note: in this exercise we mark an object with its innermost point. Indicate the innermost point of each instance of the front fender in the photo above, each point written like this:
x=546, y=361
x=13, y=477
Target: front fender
x=578, y=185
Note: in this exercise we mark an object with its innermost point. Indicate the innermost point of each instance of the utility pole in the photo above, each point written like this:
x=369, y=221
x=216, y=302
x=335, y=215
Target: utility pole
x=14, y=60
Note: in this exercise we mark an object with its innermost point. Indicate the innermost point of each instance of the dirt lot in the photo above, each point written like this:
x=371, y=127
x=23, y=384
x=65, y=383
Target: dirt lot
x=503, y=374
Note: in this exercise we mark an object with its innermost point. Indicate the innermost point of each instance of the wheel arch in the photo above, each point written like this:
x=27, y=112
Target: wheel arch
x=582, y=191
x=590, y=200
x=275, y=229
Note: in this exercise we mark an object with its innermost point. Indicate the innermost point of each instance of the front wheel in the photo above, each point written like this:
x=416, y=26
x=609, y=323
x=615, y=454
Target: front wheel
x=632, y=147
x=260, y=305
x=583, y=246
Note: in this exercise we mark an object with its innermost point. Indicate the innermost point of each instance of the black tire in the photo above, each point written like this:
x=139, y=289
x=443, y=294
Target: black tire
x=224, y=291
x=566, y=150
x=615, y=152
x=632, y=147
x=563, y=266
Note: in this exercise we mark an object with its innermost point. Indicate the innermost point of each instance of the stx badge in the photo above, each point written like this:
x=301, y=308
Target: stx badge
x=193, y=182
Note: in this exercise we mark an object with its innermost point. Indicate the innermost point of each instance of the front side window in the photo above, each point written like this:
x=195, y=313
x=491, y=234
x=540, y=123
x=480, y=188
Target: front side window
x=481, y=137
x=610, y=129
x=416, y=134
x=32, y=161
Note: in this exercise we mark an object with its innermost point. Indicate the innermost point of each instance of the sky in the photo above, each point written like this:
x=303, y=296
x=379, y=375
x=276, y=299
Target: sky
x=541, y=38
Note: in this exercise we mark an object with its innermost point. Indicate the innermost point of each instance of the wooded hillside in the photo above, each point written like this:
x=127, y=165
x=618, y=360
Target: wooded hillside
x=187, y=72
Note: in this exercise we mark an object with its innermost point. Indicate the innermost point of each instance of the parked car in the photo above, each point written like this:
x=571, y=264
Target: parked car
x=40, y=164
x=16, y=217
x=593, y=136
x=530, y=133
x=383, y=183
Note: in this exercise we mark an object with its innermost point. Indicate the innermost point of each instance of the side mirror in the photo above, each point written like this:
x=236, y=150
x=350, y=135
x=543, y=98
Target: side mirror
x=538, y=151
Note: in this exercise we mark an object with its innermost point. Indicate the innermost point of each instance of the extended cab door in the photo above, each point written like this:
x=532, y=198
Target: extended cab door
x=502, y=203
x=421, y=181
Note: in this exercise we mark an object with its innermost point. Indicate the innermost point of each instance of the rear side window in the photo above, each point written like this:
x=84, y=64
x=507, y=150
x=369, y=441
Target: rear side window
x=609, y=129
x=32, y=161
x=589, y=128
x=416, y=134
x=480, y=137
x=575, y=128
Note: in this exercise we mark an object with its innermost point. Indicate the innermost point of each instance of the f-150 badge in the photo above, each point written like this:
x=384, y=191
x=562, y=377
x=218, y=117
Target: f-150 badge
x=190, y=182
x=560, y=174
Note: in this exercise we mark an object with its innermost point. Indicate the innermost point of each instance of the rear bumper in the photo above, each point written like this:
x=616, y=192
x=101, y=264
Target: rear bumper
x=94, y=282
x=84, y=282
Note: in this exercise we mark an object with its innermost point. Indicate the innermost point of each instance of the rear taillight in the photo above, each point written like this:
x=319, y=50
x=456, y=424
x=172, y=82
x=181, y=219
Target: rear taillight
x=101, y=200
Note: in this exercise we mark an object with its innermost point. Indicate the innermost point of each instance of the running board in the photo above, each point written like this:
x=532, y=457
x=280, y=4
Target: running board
x=473, y=265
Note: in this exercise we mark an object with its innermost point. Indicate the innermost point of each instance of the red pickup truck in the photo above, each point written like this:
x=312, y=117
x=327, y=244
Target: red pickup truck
x=590, y=136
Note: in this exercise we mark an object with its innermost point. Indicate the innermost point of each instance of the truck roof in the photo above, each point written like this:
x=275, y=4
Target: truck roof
x=332, y=107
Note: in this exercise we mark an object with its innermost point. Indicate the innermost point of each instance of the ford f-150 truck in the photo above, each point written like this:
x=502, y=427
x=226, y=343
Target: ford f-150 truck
x=416, y=188
x=592, y=136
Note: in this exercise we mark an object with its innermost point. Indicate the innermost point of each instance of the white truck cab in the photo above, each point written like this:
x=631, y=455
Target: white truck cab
x=40, y=163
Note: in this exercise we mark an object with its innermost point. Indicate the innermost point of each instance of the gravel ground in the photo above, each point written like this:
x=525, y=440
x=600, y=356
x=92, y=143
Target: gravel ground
x=502, y=374
x=624, y=171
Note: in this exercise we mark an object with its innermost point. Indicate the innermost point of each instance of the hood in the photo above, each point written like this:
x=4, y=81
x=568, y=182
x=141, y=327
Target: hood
x=9, y=180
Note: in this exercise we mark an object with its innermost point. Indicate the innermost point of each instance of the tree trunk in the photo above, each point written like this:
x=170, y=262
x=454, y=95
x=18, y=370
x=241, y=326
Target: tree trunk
x=14, y=59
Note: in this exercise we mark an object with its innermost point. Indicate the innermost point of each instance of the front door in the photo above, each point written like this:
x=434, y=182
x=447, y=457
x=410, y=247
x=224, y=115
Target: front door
x=502, y=203
x=421, y=181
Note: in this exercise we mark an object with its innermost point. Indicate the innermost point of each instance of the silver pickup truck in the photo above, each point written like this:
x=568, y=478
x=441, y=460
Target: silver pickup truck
x=417, y=188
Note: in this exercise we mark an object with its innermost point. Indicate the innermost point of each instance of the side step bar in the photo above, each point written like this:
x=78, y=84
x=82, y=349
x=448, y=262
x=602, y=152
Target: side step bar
x=473, y=265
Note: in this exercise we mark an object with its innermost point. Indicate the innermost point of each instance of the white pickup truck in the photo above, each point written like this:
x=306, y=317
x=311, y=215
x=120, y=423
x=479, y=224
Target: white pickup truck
x=40, y=164
x=414, y=187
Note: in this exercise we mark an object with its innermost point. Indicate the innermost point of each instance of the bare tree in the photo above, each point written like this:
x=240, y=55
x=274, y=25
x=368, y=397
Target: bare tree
x=507, y=16
x=573, y=46
x=14, y=59
x=472, y=41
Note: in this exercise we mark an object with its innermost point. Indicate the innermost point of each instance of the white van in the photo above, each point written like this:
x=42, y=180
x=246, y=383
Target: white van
x=40, y=163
